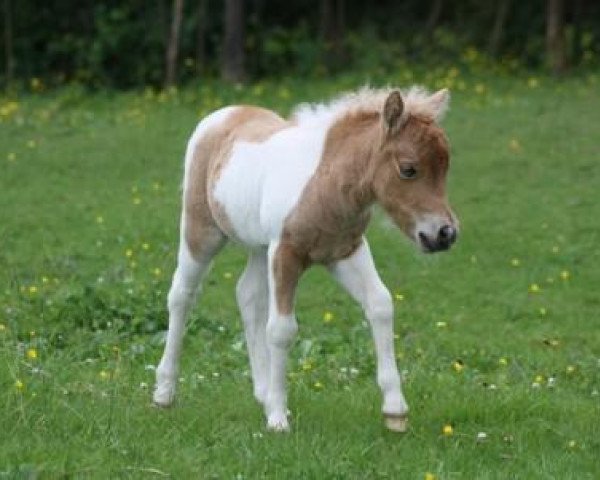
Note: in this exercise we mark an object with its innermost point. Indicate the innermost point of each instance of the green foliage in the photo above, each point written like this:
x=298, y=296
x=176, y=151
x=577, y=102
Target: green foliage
x=122, y=44
x=122, y=50
x=89, y=200
x=288, y=51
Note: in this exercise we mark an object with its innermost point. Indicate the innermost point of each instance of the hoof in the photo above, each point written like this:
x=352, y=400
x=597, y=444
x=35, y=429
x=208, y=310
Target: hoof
x=164, y=396
x=396, y=423
x=278, y=423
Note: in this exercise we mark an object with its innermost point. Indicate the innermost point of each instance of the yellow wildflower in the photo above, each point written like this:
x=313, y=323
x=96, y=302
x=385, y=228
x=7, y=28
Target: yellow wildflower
x=503, y=361
x=129, y=253
x=145, y=246
x=515, y=262
x=514, y=145
x=19, y=385
x=36, y=84
x=318, y=385
x=284, y=93
x=33, y=289
x=534, y=288
x=258, y=90
x=8, y=109
x=429, y=476
x=104, y=374
x=328, y=317
x=564, y=275
x=458, y=366
x=398, y=296
x=570, y=369
x=447, y=430
x=32, y=354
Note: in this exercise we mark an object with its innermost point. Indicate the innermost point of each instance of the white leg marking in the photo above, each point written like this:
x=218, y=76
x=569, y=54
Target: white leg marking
x=281, y=330
x=187, y=277
x=357, y=274
x=183, y=290
x=253, y=296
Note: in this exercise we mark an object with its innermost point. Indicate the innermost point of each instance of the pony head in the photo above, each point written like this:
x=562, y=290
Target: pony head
x=411, y=166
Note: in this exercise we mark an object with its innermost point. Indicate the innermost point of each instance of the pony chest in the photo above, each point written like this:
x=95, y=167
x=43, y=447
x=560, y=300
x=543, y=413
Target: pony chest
x=326, y=243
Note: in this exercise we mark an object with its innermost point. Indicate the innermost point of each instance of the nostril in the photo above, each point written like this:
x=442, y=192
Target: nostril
x=447, y=234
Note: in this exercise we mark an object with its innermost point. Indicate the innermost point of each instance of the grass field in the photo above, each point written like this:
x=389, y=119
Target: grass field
x=498, y=339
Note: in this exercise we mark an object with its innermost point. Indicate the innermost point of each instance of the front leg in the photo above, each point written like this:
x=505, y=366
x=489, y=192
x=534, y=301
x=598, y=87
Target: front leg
x=358, y=276
x=285, y=268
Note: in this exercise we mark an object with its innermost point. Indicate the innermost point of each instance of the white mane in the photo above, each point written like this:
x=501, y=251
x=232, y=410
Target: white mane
x=366, y=99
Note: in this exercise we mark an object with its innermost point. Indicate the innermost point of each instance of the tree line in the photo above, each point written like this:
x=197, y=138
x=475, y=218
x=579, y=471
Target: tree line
x=127, y=43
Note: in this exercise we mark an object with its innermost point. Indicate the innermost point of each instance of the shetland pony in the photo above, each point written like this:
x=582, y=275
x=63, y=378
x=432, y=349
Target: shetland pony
x=299, y=192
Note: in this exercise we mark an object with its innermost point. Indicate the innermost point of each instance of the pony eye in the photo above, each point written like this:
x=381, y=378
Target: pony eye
x=408, y=172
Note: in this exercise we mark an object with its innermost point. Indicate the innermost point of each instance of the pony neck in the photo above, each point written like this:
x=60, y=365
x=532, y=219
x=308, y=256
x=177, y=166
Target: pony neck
x=343, y=182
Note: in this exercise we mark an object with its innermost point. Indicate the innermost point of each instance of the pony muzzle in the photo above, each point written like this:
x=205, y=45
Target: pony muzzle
x=441, y=239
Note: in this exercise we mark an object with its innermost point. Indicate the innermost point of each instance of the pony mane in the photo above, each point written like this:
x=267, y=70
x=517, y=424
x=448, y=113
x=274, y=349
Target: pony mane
x=365, y=99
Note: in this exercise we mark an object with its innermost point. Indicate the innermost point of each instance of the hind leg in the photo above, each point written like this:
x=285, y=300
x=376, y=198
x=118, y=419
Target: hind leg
x=186, y=280
x=253, y=296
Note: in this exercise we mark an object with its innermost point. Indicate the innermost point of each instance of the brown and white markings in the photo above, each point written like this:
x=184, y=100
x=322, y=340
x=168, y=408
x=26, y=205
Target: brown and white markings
x=299, y=192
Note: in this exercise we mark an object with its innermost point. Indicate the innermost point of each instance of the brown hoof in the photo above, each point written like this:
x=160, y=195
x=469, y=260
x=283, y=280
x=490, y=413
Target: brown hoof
x=396, y=423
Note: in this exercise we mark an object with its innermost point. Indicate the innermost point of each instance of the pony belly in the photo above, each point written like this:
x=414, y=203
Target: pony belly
x=242, y=224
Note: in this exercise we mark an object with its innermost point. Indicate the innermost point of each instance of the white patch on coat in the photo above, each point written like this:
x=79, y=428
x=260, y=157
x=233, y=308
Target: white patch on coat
x=262, y=182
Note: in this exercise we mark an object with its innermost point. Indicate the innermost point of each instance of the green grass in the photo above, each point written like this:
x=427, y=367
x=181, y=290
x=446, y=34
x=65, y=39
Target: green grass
x=87, y=180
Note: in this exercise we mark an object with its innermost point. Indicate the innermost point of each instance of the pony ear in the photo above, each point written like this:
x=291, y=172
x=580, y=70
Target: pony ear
x=438, y=103
x=392, y=110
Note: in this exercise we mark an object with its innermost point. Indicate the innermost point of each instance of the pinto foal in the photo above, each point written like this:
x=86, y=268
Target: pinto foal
x=299, y=192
